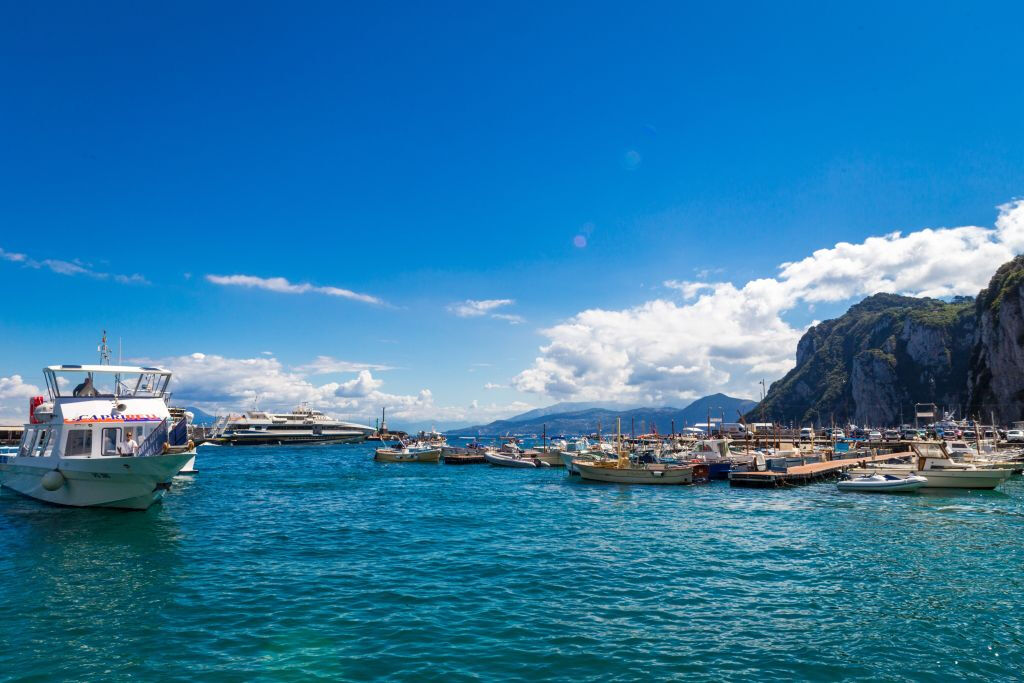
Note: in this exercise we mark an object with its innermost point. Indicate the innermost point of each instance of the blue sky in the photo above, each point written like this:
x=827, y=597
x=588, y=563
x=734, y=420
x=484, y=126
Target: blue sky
x=426, y=155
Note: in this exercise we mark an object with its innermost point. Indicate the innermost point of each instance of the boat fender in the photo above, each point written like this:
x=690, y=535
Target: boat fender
x=53, y=480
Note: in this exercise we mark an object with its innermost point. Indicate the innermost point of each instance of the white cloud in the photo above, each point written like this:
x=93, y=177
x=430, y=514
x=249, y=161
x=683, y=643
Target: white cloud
x=324, y=365
x=12, y=256
x=363, y=385
x=722, y=337
x=471, y=308
x=491, y=385
x=474, y=308
x=14, y=395
x=283, y=286
x=71, y=268
x=220, y=384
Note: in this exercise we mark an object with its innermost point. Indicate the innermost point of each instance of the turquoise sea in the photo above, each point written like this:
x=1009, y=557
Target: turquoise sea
x=298, y=563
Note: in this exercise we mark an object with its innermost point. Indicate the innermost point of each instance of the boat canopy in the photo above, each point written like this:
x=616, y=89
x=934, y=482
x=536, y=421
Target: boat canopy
x=106, y=381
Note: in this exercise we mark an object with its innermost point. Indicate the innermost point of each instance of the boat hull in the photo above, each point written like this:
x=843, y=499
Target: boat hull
x=653, y=475
x=190, y=467
x=384, y=455
x=953, y=479
x=503, y=460
x=127, y=483
x=285, y=439
x=897, y=486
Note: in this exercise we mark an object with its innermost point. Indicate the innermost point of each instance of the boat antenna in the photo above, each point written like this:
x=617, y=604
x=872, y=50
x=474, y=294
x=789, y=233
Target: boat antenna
x=104, y=350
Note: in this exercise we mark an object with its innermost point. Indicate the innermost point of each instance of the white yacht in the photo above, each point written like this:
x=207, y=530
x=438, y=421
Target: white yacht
x=302, y=425
x=110, y=442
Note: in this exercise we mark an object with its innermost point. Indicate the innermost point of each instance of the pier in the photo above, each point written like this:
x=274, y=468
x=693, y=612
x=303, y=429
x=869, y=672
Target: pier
x=801, y=475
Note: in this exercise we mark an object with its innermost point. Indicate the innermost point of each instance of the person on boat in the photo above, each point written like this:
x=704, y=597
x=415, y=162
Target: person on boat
x=128, y=446
x=86, y=388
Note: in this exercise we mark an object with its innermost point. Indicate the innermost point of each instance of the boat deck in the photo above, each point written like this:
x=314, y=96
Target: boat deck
x=810, y=473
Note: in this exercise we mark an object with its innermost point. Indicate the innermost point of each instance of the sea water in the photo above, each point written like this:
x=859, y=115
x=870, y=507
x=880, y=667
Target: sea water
x=296, y=563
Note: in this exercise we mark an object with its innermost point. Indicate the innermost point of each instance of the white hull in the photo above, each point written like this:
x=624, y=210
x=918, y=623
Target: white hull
x=503, y=460
x=190, y=467
x=951, y=479
x=658, y=474
x=130, y=483
x=881, y=485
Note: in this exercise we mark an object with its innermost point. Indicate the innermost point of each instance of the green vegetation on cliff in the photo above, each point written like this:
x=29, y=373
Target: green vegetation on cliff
x=874, y=362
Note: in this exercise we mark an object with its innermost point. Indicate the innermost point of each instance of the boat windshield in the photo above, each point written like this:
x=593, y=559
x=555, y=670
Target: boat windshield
x=929, y=450
x=82, y=381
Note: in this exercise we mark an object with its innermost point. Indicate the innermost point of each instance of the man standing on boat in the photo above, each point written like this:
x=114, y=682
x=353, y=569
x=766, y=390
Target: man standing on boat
x=127, y=445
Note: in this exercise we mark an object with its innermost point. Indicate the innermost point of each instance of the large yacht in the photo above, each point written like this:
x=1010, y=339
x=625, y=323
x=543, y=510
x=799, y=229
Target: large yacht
x=109, y=442
x=302, y=425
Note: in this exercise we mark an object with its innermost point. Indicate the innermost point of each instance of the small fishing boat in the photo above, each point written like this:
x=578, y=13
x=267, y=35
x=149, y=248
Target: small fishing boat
x=620, y=472
x=624, y=470
x=513, y=460
x=882, y=483
x=408, y=454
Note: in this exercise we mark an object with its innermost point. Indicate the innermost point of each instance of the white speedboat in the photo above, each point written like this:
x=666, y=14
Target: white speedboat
x=109, y=443
x=882, y=483
x=513, y=460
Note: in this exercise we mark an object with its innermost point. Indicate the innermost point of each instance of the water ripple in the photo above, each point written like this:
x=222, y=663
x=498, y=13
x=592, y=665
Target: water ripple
x=309, y=563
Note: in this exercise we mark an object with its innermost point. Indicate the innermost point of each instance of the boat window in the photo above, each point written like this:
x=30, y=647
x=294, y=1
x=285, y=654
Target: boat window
x=26, y=442
x=79, y=442
x=111, y=435
x=44, y=437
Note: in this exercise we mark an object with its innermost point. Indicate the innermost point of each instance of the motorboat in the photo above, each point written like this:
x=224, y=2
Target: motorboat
x=882, y=483
x=303, y=425
x=109, y=442
x=408, y=453
x=933, y=462
x=501, y=459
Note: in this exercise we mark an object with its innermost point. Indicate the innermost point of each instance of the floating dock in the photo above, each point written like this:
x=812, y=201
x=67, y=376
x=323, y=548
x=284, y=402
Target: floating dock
x=801, y=475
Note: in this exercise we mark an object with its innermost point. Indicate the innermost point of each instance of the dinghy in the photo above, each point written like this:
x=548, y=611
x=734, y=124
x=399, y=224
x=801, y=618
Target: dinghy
x=883, y=483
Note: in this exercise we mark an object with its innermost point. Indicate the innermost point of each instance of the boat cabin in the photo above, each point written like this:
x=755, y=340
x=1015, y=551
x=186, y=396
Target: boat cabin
x=96, y=411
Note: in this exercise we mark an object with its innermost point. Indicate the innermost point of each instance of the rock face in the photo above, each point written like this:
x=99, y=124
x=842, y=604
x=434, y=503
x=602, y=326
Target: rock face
x=996, y=373
x=871, y=365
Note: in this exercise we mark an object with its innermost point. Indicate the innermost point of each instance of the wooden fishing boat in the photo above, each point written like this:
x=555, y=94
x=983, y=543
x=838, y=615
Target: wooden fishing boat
x=631, y=473
x=408, y=454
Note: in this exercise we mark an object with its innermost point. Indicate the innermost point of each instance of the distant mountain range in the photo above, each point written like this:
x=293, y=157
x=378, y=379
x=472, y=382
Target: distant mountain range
x=582, y=418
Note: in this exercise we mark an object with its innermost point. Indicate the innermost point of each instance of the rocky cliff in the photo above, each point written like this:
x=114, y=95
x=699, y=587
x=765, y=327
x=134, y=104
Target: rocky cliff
x=871, y=365
x=996, y=373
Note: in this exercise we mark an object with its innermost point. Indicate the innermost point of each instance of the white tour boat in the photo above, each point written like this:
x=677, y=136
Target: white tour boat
x=106, y=443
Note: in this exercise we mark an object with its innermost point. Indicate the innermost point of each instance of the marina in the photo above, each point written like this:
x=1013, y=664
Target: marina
x=512, y=342
x=261, y=563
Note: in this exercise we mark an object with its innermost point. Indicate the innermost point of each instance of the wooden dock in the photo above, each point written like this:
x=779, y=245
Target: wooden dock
x=801, y=475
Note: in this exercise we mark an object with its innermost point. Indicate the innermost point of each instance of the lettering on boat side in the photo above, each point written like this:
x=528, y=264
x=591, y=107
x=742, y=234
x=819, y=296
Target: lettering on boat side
x=113, y=418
